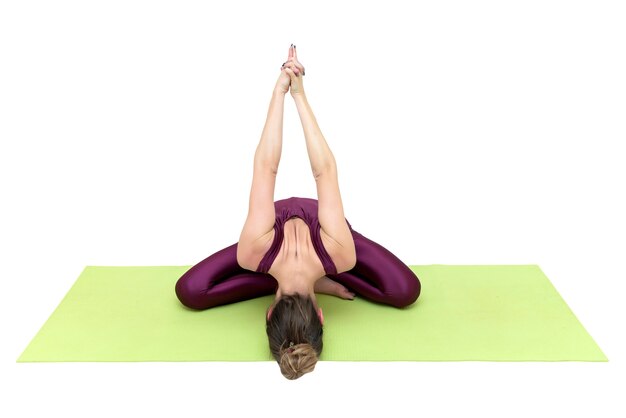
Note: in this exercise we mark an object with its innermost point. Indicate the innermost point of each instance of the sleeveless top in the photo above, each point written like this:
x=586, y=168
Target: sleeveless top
x=306, y=209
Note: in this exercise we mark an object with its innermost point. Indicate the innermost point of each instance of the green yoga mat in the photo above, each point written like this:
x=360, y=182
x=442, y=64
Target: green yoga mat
x=465, y=312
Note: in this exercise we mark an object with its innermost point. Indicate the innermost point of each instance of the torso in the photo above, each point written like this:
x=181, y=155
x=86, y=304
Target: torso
x=296, y=250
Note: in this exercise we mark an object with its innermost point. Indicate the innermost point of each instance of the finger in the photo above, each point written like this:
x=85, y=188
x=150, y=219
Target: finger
x=291, y=52
x=293, y=67
x=297, y=68
x=298, y=64
x=295, y=52
x=290, y=72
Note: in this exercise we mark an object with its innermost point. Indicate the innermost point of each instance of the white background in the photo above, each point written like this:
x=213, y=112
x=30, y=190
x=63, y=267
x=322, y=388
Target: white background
x=482, y=132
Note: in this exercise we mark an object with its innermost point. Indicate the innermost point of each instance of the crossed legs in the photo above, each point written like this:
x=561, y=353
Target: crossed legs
x=378, y=276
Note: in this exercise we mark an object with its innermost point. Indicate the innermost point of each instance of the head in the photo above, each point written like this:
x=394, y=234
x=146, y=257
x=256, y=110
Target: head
x=294, y=329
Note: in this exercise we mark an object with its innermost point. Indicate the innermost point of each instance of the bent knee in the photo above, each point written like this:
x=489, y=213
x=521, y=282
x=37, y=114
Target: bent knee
x=191, y=294
x=406, y=293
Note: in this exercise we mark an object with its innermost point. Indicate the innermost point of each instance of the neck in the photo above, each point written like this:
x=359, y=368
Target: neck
x=296, y=283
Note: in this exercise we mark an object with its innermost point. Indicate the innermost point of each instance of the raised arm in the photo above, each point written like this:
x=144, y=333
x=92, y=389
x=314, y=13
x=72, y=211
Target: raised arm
x=270, y=146
x=269, y=149
x=261, y=213
x=320, y=155
x=336, y=234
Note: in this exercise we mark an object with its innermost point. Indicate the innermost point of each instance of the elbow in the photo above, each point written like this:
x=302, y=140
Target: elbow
x=324, y=169
x=265, y=165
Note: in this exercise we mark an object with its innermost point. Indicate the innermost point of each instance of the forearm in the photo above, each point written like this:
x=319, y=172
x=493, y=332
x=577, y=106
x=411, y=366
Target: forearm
x=270, y=146
x=320, y=155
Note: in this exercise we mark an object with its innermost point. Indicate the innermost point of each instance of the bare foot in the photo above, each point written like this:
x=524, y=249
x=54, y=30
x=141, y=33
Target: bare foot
x=345, y=293
x=330, y=287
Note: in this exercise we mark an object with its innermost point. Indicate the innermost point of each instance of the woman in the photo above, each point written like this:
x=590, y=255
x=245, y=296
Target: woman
x=296, y=247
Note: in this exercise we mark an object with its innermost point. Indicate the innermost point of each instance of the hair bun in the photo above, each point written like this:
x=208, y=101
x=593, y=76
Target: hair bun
x=294, y=320
x=298, y=359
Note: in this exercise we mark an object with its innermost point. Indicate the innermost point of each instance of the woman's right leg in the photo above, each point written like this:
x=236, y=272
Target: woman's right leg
x=379, y=275
x=219, y=280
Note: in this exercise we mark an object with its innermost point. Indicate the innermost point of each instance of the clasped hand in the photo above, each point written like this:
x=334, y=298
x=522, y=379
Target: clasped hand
x=291, y=73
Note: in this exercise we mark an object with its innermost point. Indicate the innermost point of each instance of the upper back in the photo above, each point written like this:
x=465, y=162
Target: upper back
x=297, y=234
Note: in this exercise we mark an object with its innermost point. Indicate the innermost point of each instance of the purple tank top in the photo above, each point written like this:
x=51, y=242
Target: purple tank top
x=306, y=209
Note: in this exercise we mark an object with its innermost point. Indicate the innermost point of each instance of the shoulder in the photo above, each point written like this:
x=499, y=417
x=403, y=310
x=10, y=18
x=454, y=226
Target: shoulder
x=250, y=254
x=342, y=251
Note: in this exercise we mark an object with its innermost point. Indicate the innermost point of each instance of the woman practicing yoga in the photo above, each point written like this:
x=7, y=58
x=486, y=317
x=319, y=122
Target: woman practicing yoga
x=296, y=247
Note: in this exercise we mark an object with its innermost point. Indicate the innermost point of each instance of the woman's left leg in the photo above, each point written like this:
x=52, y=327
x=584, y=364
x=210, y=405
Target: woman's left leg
x=219, y=280
x=379, y=275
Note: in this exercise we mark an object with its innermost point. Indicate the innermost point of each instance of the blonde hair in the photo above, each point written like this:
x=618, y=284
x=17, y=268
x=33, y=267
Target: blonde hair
x=295, y=332
x=297, y=360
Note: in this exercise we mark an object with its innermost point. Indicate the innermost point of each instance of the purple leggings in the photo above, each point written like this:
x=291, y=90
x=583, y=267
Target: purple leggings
x=378, y=276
